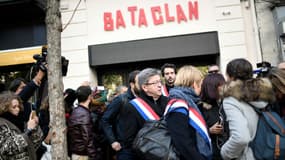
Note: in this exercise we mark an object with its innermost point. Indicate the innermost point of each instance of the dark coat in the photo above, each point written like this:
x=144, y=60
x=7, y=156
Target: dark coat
x=183, y=135
x=80, y=132
x=112, y=122
x=211, y=113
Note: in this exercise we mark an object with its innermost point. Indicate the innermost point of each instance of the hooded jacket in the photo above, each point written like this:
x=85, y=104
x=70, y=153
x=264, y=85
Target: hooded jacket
x=242, y=117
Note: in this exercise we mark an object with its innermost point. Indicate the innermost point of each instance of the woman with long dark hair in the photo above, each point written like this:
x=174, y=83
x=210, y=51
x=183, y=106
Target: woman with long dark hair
x=213, y=111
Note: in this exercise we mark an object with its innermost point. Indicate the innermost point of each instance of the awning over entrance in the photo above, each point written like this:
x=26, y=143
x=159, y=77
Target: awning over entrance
x=154, y=49
x=19, y=56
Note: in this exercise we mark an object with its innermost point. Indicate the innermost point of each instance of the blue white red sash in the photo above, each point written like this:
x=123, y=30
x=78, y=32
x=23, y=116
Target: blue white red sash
x=144, y=109
x=164, y=91
x=196, y=120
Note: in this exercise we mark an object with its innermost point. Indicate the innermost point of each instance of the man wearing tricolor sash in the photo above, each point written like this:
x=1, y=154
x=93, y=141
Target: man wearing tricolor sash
x=150, y=101
x=187, y=128
x=168, y=72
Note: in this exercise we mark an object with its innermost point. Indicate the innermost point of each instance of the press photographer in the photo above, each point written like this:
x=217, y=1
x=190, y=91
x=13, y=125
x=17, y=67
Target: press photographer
x=41, y=65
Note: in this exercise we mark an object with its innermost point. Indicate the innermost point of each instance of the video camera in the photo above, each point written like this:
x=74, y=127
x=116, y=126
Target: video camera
x=41, y=61
x=262, y=69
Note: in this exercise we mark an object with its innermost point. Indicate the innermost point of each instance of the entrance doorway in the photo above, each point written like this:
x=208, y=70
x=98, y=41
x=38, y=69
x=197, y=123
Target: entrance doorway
x=117, y=74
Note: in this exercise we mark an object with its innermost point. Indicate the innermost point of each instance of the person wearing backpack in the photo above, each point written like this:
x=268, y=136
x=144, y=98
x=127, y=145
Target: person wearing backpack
x=192, y=140
x=150, y=84
x=239, y=94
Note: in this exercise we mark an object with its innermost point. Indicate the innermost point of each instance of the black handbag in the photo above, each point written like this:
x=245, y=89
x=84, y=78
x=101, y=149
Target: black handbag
x=153, y=142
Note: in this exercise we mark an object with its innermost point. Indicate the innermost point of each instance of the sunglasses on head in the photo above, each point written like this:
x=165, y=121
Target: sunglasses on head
x=213, y=71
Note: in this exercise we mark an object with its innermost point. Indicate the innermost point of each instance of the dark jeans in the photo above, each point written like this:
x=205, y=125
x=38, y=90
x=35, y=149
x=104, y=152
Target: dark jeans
x=126, y=154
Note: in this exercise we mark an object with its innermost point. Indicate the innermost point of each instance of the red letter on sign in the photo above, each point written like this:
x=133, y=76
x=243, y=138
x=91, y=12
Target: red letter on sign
x=142, y=18
x=108, y=21
x=180, y=14
x=193, y=10
x=167, y=16
x=132, y=10
x=156, y=20
x=120, y=20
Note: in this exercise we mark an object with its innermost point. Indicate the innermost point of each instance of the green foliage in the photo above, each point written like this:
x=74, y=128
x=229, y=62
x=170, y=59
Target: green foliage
x=203, y=69
x=111, y=81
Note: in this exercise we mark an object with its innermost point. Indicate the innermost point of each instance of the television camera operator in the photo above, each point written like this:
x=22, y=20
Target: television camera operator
x=36, y=88
x=41, y=65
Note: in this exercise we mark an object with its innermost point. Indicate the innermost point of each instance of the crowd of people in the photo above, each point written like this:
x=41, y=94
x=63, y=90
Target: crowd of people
x=99, y=128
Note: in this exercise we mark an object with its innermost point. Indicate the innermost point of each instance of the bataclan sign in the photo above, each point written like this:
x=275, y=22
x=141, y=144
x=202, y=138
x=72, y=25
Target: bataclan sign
x=160, y=14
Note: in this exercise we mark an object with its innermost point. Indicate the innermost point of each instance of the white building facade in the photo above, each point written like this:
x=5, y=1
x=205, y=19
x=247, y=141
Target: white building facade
x=97, y=25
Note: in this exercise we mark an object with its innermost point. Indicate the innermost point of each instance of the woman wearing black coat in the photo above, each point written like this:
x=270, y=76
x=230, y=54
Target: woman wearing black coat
x=213, y=111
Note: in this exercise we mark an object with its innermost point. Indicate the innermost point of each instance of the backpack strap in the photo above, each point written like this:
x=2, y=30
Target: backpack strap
x=277, y=146
x=144, y=109
x=268, y=116
x=276, y=122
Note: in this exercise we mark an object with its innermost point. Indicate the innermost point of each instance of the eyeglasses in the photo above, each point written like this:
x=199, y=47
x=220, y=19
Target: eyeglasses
x=154, y=83
x=213, y=71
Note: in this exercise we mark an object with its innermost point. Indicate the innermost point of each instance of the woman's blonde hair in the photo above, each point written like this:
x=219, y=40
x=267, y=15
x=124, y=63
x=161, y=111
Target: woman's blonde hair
x=187, y=75
x=6, y=101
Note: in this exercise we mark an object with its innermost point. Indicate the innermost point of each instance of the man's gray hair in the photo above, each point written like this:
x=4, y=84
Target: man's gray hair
x=145, y=74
